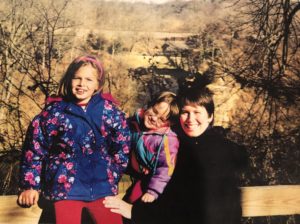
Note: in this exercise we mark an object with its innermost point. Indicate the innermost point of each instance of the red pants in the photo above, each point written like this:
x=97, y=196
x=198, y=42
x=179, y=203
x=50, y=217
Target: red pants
x=69, y=211
x=136, y=192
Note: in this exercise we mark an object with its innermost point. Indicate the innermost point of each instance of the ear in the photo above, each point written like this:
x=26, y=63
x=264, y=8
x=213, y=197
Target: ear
x=210, y=119
x=99, y=89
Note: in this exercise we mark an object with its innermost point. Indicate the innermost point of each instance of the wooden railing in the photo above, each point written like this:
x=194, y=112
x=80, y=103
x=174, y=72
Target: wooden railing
x=256, y=201
x=271, y=200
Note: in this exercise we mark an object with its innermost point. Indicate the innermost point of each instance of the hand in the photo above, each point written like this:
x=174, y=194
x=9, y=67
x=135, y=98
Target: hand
x=28, y=197
x=147, y=197
x=119, y=206
x=145, y=171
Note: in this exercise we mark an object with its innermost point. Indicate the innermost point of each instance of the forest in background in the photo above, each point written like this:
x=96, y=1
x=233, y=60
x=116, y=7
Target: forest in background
x=249, y=47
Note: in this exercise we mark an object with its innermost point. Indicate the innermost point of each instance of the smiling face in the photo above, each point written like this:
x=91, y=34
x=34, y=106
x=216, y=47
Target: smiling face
x=85, y=83
x=194, y=120
x=156, y=117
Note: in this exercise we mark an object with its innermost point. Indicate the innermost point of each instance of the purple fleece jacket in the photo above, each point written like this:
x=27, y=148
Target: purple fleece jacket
x=157, y=180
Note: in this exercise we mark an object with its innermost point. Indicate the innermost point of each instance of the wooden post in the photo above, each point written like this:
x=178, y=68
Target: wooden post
x=271, y=200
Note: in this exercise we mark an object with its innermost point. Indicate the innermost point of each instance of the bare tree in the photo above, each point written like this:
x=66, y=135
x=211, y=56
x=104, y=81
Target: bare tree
x=270, y=64
x=34, y=37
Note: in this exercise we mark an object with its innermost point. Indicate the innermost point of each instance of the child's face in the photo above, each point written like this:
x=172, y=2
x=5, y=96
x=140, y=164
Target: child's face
x=194, y=120
x=156, y=117
x=85, y=83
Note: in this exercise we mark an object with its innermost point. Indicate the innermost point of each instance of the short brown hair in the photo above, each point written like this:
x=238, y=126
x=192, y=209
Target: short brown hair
x=197, y=97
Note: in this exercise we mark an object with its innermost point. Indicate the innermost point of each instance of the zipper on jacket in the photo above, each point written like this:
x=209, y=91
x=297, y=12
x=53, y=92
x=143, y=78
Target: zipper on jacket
x=91, y=192
x=92, y=180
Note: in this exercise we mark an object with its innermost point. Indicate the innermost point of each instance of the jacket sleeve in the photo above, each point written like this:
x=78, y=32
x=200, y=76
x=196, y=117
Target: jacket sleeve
x=34, y=150
x=116, y=128
x=165, y=166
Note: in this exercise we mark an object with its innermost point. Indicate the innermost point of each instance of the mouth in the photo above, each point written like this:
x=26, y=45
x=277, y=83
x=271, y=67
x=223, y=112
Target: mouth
x=150, y=122
x=80, y=91
x=191, y=126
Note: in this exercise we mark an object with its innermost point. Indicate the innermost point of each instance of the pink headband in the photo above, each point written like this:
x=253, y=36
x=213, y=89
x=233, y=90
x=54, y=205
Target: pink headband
x=92, y=60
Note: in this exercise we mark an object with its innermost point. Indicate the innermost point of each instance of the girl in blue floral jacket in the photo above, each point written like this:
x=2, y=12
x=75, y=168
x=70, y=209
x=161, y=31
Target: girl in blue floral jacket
x=77, y=148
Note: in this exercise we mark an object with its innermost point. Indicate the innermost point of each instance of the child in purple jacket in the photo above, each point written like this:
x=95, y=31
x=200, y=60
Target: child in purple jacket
x=154, y=148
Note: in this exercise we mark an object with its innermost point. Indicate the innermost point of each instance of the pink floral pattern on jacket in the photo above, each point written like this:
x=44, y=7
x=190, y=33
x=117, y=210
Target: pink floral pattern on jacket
x=61, y=134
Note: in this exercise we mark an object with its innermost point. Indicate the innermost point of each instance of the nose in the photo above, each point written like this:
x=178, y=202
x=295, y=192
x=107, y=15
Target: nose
x=82, y=82
x=153, y=117
x=191, y=116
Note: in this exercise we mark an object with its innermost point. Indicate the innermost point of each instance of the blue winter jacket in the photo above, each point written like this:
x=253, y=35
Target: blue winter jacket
x=74, y=154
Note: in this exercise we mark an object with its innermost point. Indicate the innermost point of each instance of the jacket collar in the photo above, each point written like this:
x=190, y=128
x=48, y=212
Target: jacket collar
x=93, y=114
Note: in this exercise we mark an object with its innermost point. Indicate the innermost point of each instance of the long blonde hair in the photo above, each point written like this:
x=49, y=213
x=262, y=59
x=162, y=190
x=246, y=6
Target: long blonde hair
x=65, y=85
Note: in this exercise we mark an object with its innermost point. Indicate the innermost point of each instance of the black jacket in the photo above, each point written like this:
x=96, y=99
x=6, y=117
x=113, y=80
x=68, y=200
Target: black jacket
x=204, y=186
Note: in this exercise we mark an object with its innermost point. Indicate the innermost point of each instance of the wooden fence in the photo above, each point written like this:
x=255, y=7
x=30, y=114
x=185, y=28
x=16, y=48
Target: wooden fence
x=256, y=201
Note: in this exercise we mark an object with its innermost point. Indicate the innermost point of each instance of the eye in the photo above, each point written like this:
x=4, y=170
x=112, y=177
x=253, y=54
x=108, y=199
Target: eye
x=183, y=112
x=163, y=119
